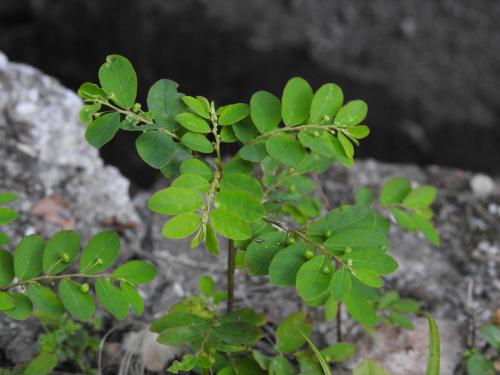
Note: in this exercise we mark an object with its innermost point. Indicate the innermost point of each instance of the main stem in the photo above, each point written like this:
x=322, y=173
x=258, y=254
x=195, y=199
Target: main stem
x=231, y=266
x=339, y=323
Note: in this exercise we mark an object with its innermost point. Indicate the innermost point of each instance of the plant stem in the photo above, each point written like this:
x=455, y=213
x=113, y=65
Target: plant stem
x=231, y=266
x=55, y=277
x=339, y=323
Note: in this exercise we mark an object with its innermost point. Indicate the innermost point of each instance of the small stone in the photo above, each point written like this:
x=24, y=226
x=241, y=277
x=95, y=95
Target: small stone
x=482, y=185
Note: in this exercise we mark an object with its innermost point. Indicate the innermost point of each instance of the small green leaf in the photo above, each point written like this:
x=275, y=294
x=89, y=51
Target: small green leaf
x=119, y=80
x=357, y=239
x=180, y=328
x=80, y=305
x=265, y=110
x=156, y=148
x=23, y=307
x=359, y=309
x=261, y=251
x=331, y=309
x=7, y=302
x=229, y=225
x=6, y=268
x=326, y=103
x=477, y=364
x=242, y=204
x=100, y=252
x=245, y=130
x=368, y=277
x=173, y=201
x=434, y=356
x=60, y=251
x=197, y=142
x=233, y=113
x=364, y=196
x=285, y=149
x=296, y=101
x=43, y=364
x=112, y=299
x=369, y=367
x=375, y=261
x=8, y=215
x=401, y=320
x=28, y=257
x=191, y=181
x=340, y=285
x=6, y=197
x=91, y=91
x=318, y=141
x=339, y=352
x=253, y=152
x=136, y=272
x=421, y=197
x=318, y=355
x=133, y=298
x=288, y=337
x=164, y=101
x=426, y=227
x=193, y=122
x=198, y=106
x=196, y=166
x=227, y=134
x=243, y=182
x=181, y=226
x=394, y=191
x=286, y=263
x=281, y=366
x=360, y=131
x=404, y=219
x=103, y=129
x=346, y=145
x=4, y=238
x=207, y=285
x=351, y=114
x=45, y=300
x=211, y=241
x=237, y=165
x=492, y=334
x=313, y=280
x=406, y=305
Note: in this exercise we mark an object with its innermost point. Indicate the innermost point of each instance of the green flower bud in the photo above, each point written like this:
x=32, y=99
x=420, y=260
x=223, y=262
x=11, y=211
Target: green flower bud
x=136, y=107
x=99, y=261
x=65, y=257
x=326, y=270
x=329, y=233
x=290, y=241
x=308, y=254
x=84, y=288
x=316, y=134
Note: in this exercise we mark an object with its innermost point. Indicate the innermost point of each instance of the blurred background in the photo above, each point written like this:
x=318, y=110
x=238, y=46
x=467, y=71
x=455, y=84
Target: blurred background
x=429, y=70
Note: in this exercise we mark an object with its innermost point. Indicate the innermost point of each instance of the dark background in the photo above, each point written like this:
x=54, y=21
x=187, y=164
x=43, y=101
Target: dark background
x=429, y=69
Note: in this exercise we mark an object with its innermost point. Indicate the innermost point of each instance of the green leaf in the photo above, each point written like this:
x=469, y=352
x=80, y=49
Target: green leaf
x=181, y=226
x=358, y=307
x=8, y=215
x=245, y=130
x=265, y=110
x=313, y=280
x=119, y=81
x=317, y=353
x=241, y=182
x=286, y=263
x=43, y=364
x=6, y=268
x=340, y=285
x=346, y=145
x=229, y=225
x=91, y=91
x=233, y=113
x=198, y=106
x=60, y=251
x=211, y=241
x=357, y=239
x=340, y=154
x=7, y=302
x=192, y=181
x=227, y=134
x=133, y=298
x=360, y=131
x=240, y=334
x=261, y=359
x=351, y=114
x=281, y=366
x=156, y=148
x=4, y=238
x=100, y=252
x=421, y=197
x=246, y=314
x=253, y=152
x=364, y=196
x=197, y=142
x=288, y=337
x=242, y=204
x=477, y=364
x=103, y=129
x=207, y=285
x=492, y=334
x=388, y=299
x=339, y=352
x=326, y=103
x=198, y=167
x=6, y=197
x=165, y=102
x=45, y=299
x=404, y=219
x=394, y=191
x=88, y=111
x=369, y=367
x=401, y=320
x=331, y=309
x=28, y=257
x=261, y=251
x=136, y=272
x=426, y=227
x=406, y=305
x=112, y=299
x=318, y=141
x=23, y=307
x=172, y=169
x=80, y=305
x=236, y=165
x=434, y=356
x=368, y=277
x=173, y=201
x=180, y=329
x=375, y=261
x=285, y=149
x=193, y=122
x=296, y=101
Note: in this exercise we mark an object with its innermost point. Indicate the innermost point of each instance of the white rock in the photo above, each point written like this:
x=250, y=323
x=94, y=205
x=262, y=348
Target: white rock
x=482, y=185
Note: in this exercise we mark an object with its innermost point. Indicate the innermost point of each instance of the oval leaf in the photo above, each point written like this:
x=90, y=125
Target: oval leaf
x=60, y=251
x=136, y=272
x=80, y=305
x=156, y=148
x=296, y=101
x=101, y=251
x=173, y=201
x=28, y=257
x=265, y=110
x=112, y=299
x=119, y=80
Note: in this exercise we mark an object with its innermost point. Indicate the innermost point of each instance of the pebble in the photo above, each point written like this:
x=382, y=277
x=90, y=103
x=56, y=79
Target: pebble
x=482, y=185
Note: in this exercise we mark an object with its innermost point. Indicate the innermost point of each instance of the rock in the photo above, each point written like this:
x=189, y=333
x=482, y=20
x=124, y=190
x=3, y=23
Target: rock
x=482, y=185
x=61, y=182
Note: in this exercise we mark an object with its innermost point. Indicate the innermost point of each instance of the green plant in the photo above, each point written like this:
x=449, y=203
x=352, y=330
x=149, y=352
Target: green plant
x=29, y=275
x=477, y=360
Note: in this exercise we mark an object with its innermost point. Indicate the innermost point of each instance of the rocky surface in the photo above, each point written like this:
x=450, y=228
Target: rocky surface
x=63, y=183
